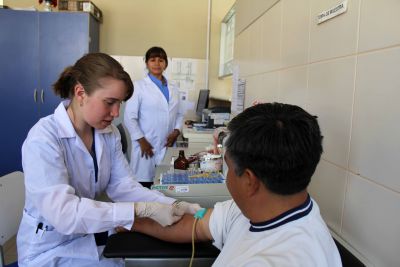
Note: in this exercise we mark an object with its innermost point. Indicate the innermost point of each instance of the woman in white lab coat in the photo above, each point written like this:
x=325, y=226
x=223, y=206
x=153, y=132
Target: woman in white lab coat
x=69, y=159
x=153, y=117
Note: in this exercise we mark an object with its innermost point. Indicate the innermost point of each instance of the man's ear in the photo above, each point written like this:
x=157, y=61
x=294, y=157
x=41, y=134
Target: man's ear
x=251, y=182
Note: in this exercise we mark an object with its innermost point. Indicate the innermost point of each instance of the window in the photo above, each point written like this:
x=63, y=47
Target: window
x=227, y=41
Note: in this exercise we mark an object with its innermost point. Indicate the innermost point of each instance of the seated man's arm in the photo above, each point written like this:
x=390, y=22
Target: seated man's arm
x=180, y=232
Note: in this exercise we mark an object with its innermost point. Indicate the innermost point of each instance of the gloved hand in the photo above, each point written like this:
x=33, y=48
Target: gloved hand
x=164, y=214
x=182, y=207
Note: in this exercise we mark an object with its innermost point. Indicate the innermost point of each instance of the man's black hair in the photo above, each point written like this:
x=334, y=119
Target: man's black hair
x=280, y=143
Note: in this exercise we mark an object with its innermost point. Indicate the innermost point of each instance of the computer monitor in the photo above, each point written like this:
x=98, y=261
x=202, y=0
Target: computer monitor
x=202, y=102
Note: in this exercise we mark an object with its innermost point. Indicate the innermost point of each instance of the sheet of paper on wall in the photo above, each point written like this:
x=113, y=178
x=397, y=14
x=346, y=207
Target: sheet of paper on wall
x=183, y=71
x=238, y=92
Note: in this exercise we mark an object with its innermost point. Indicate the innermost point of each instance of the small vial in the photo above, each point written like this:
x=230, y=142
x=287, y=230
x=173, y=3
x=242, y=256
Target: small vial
x=171, y=166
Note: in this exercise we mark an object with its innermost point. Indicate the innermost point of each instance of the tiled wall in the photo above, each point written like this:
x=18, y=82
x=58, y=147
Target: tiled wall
x=347, y=71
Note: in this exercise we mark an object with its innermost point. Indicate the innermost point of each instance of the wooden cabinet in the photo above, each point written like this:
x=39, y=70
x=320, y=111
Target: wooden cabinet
x=34, y=49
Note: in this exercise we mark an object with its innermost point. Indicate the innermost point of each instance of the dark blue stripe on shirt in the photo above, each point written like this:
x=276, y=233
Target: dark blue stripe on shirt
x=286, y=217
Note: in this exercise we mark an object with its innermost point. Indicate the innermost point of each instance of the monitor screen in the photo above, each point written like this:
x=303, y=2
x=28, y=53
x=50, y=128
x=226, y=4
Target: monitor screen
x=202, y=102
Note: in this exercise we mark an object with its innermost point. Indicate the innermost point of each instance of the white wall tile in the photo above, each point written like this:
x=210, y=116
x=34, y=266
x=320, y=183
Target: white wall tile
x=239, y=50
x=375, y=145
x=293, y=86
x=371, y=221
x=379, y=24
x=264, y=88
x=335, y=37
x=295, y=32
x=253, y=89
x=330, y=97
x=328, y=187
x=271, y=38
x=250, y=11
x=255, y=45
x=242, y=53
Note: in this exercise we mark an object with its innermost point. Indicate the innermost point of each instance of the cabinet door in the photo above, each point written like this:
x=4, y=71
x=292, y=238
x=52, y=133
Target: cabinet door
x=18, y=75
x=63, y=39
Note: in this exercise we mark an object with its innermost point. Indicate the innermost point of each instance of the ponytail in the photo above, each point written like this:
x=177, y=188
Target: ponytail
x=64, y=86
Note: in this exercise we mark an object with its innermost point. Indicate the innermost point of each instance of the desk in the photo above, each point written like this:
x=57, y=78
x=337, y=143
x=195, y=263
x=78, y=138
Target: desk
x=141, y=250
x=196, y=137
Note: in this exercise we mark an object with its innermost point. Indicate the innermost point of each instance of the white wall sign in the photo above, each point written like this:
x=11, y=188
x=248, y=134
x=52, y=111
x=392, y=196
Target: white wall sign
x=238, y=92
x=333, y=12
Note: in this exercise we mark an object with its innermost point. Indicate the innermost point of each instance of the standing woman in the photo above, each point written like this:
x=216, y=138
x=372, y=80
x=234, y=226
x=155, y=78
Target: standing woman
x=152, y=117
x=70, y=158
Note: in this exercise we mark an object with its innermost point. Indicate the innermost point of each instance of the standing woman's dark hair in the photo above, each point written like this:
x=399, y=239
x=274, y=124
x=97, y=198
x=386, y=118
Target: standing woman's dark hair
x=156, y=51
x=87, y=71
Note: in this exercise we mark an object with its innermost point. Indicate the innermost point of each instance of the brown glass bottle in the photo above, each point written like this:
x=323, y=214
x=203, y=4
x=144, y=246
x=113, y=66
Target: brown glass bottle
x=181, y=163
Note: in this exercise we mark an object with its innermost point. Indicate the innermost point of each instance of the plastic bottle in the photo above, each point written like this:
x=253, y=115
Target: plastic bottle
x=181, y=163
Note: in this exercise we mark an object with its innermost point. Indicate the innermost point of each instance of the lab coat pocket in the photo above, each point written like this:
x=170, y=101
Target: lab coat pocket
x=40, y=236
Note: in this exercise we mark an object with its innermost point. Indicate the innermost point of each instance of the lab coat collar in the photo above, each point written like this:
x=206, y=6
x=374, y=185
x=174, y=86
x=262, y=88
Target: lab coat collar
x=151, y=84
x=65, y=127
x=157, y=81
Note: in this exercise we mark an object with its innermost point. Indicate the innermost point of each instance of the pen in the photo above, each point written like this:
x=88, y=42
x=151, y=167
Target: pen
x=39, y=226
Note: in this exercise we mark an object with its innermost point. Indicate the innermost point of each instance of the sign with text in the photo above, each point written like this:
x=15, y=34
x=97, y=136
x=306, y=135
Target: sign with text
x=333, y=12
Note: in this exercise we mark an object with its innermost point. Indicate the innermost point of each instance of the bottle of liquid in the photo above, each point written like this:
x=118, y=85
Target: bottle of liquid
x=181, y=163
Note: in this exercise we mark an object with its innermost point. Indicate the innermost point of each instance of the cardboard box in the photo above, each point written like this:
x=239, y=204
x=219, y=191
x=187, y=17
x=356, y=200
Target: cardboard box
x=85, y=6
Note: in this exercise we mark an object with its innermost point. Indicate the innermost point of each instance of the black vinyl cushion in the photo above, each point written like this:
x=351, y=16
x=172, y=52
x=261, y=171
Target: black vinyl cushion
x=137, y=245
x=348, y=259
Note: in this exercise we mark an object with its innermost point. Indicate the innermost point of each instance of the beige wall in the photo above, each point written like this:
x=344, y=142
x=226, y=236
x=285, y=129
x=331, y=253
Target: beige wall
x=131, y=27
x=23, y=4
x=345, y=71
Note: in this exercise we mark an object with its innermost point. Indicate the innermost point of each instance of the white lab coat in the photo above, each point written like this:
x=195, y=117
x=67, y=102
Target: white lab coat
x=60, y=188
x=148, y=114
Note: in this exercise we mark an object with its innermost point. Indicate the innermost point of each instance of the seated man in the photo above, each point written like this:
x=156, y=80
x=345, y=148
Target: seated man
x=272, y=152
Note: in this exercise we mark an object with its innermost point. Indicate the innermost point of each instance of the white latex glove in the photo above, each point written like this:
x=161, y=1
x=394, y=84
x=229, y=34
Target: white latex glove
x=182, y=207
x=164, y=214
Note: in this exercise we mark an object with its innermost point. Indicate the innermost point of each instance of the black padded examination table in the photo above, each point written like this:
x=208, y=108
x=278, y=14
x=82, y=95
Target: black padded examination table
x=142, y=250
